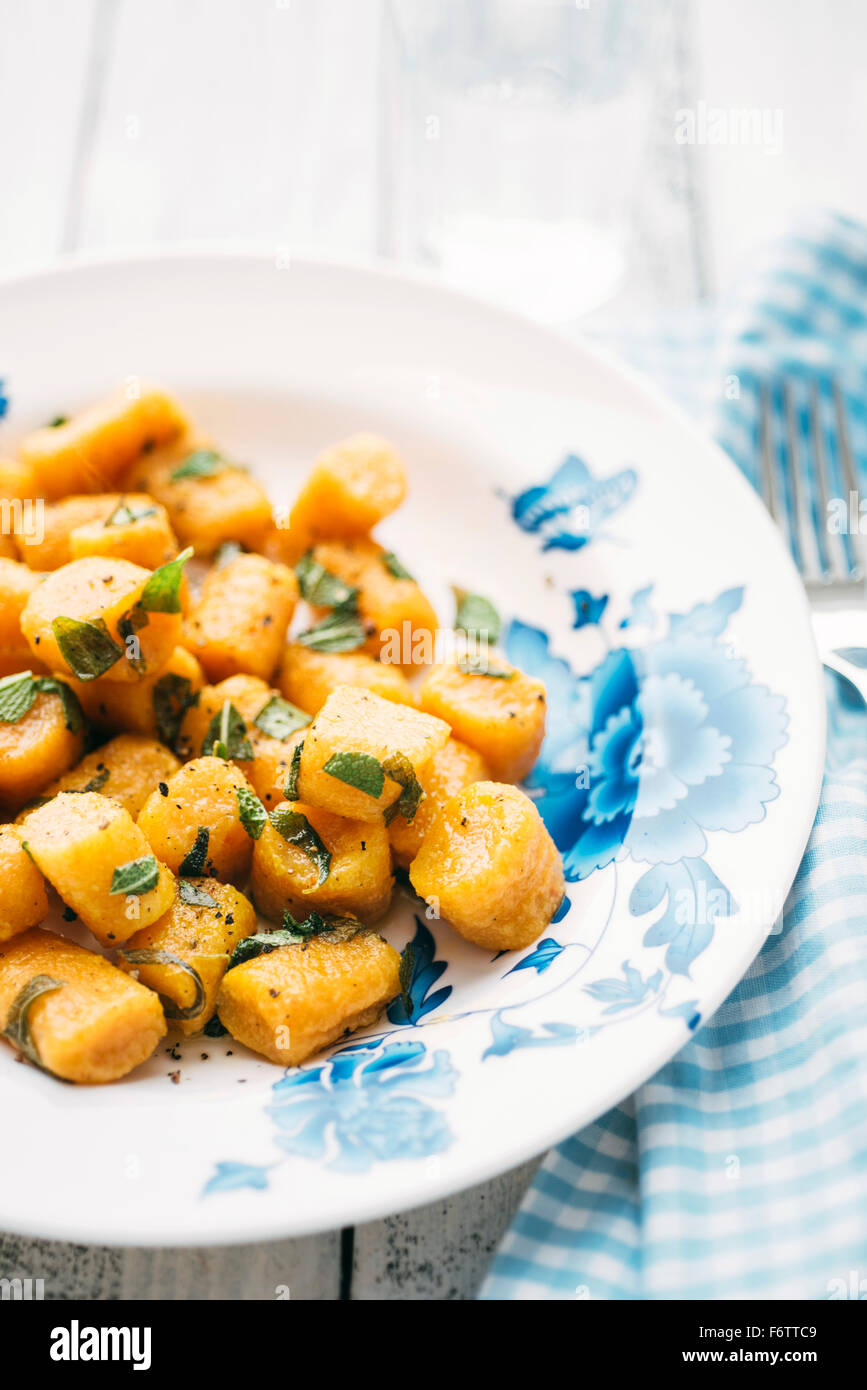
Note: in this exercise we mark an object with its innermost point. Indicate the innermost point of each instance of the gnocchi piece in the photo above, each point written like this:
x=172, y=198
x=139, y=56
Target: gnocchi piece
x=137, y=529
x=208, y=499
x=93, y=448
x=59, y=521
x=351, y=487
x=501, y=714
x=243, y=615
x=17, y=479
x=155, y=705
x=295, y=1000
x=196, y=825
x=200, y=929
x=8, y=548
x=127, y=769
x=452, y=768
x=290, y=870
x=24, y=901
x=490, y=868
x=91, y=850
x=308, y=677
x=353, y=746
x=273, y=728
x=17, y=583
x=401, y=622
x=94, y=618
x=92, y=1025
x=45, y=740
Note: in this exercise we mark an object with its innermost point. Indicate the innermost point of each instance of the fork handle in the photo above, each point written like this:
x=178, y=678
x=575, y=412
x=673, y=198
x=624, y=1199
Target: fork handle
x=839, y=631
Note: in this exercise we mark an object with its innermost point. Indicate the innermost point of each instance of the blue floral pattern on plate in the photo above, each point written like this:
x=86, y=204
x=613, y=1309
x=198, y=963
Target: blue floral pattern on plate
x=661, y=744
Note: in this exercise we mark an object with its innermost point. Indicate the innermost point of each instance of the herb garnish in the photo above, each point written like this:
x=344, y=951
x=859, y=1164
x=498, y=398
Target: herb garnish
x=17, y=1028
x=193, y=863
x=296, y=830
x=476, y=616
x=290, y=791
x=172, y=697
x=294, y=933
x=193, y=895
x=342, y=631
x=477, y=666
x=162, y=591
x=145, y=955
x=394, y=567
x=214, y=1028
x=398, y=767
x=252, y=812
x=18, y=692
x=125, y=515
x=359, y=770
x=227, y=736
x=320, y=587
x=137, y=877
x=279, y=719
x=202, y=463
x=88, y=648
x=127, y=626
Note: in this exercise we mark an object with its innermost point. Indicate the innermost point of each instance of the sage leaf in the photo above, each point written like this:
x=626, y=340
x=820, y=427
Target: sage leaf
x=279, y=719
x=193, y=895
x=172, y=696
x=394, y=567
x=290, y=791
x=341, y=631
x=72, y=712
x=476, y=615
x=146, y=955
x=17, y=694
x=478, y=666
x=320, y=587
x=88, y=648
x=162, y=591
x=202, y=463
x=359, y=770
x=125, y=515
x=227, y=728
x=296, y=830
x=251, y=811
x=193, y=864
x=137, y=877
x=17, y=1028
x=398, y=767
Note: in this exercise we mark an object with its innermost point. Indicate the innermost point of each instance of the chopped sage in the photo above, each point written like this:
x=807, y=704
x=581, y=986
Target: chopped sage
x=17, y=1028
x=394, y=567
x=88, y=648
x=478, y=666
x=72, y=712
x=18, y=692
x=172, y=696
x=193, y=864
x=476, y=615
x=398, y=767
x=125, y=515
x=146, y=955
x=294, y=933
x=227, y=736
x=320, y=587
x=193, y=895
x=296, y=829
x=137, y=877
x=214, y=1028
x=279, y=719
x=252, y=812
x=290, y=791
x=128, y=625
x=162, y=591
x=342, y=631
x=359, y=770
x=202, y=463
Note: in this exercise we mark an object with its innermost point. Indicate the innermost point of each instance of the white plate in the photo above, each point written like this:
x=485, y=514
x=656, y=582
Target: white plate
x=684, y=758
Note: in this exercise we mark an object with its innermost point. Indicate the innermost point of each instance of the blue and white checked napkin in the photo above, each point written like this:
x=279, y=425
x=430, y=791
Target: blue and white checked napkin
x=740, y=1169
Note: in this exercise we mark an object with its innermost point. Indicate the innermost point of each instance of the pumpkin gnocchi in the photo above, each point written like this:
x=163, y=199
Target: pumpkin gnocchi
x=262, y=731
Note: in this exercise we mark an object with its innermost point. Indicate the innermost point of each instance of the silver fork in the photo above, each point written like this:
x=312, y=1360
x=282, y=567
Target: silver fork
x=831, y=568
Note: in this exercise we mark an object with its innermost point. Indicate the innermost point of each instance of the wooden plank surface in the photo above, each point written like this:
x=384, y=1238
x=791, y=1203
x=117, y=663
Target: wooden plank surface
x=141, y=121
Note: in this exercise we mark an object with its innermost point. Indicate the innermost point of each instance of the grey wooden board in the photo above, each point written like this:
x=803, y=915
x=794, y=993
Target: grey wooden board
x=140, y=121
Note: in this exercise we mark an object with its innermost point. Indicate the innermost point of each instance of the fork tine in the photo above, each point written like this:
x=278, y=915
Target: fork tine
x=770, y=492
x=806, y=547
x=847, y=463
x=835, y=564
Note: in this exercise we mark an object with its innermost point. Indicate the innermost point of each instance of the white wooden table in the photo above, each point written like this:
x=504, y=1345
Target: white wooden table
x=134, y=122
